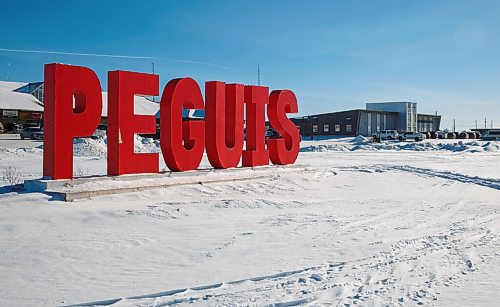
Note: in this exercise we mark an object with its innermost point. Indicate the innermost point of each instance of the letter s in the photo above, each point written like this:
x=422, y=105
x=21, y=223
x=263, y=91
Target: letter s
x=283, y=150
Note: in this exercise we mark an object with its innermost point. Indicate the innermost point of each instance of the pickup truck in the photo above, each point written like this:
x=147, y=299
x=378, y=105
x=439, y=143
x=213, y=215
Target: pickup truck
x=416, y=136
x=491, y=135
x=386, y=135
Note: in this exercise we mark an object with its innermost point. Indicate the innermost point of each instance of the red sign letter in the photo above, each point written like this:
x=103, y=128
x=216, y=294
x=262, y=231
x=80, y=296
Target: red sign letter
x=66, y=118
x=224, y=123
x=285, y=149
x=123, y=123
x=255, y=153
x=182, y=142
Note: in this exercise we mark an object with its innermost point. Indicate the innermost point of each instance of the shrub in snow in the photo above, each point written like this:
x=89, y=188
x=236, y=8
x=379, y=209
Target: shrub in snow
x=12, y=175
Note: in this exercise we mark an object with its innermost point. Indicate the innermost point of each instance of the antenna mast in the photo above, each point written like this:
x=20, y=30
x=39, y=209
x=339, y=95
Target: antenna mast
x=153, y=67
x=258, y=74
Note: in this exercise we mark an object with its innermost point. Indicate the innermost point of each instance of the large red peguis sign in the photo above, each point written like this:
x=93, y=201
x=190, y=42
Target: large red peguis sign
x=73, y=106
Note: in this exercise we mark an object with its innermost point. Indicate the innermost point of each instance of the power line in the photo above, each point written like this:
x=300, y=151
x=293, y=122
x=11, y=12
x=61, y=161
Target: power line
x=77, y=53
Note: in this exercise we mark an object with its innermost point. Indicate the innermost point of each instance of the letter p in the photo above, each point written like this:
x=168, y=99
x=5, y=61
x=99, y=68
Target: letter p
x=73, y=106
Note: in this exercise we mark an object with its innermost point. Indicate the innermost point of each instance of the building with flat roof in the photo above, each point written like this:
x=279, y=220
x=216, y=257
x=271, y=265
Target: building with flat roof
x=428, y=122
x=407, y=113
x=400, y=116
x=348, y=123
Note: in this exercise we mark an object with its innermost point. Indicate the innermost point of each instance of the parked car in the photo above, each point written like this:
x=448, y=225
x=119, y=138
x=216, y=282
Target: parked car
x=463, y=135
x=31, y=125
x=272, y=134
x=32, y=133
x=100, y=131
x=13, y=128
x=416, y=136
x=38, y=135
x=471, y=135
x=387, y=135
x=157, y=134
x=1, y=128
x=450, y=135
x=491, y=135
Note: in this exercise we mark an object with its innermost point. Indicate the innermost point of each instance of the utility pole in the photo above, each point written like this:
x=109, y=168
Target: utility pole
x=485, y=123
x=258, y=74
x=453, y=125
x=476, y=123
x=491, y=124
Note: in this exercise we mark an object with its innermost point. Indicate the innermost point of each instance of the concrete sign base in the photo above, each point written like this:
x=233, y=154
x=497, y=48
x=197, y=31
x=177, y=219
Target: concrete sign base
x=87, y=187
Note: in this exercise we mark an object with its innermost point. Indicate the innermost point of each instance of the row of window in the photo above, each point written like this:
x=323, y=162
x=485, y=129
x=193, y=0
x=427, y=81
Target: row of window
x=326, y=128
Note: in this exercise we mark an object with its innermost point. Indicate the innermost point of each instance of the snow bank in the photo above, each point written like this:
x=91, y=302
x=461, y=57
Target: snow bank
x=360, y=140
x=98, y=147
x=20, y=152
x=361, y=143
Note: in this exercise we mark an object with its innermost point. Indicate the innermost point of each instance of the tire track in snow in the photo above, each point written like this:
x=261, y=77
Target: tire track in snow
x=378, y=168
x=192, y=290
x=485, y=182
x=411, y=270
x=373, y=280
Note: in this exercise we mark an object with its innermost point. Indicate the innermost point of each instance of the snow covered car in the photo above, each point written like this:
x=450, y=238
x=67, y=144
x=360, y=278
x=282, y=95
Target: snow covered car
x=32, y=133
x=416, y=136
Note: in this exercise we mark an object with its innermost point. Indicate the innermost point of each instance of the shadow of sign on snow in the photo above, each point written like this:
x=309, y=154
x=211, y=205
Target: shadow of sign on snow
x=19, y=189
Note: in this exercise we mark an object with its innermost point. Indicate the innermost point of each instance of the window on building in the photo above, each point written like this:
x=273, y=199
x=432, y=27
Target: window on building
x=10, y=114
x=38, y=93
x=348, y=128
x=337, y=127
x=315, y=128
x=326, y=128
x=369, y=124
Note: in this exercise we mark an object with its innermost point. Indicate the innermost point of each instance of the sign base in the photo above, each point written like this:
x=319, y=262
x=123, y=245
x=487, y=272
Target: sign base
x=88, y=187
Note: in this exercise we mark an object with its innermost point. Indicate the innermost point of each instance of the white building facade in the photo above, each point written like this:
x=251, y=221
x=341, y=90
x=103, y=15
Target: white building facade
x=407, y=110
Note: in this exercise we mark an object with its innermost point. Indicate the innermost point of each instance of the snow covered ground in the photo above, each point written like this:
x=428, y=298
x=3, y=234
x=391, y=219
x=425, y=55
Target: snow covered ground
x=370, y=224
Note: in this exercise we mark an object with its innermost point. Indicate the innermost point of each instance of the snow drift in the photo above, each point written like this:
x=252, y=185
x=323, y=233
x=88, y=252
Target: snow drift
x=361, y=143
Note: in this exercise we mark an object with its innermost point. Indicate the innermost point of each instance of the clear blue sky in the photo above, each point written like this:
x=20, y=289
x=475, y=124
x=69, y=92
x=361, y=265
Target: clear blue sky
x=335, y=55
